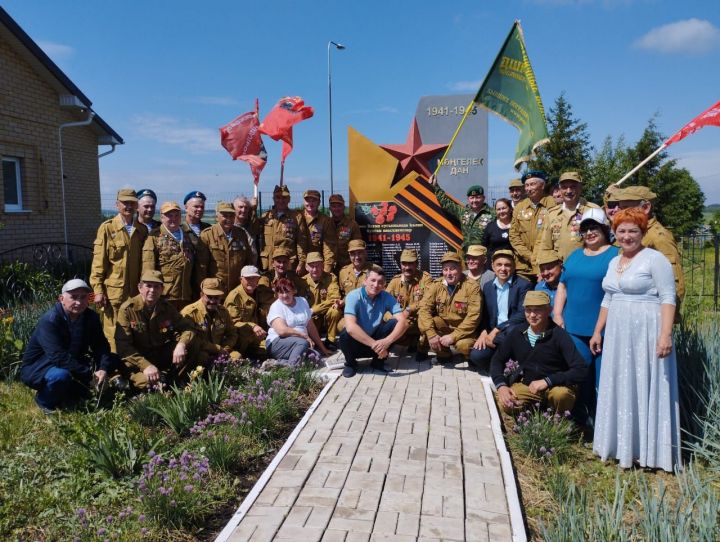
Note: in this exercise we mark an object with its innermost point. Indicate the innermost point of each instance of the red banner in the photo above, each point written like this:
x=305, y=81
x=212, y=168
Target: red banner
x=241, y=138
x=279, y=121
x=709, y=117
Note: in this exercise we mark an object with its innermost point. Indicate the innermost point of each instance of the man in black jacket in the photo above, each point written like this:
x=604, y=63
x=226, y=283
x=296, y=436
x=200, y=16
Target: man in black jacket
x=547, y=369
x=66, y=350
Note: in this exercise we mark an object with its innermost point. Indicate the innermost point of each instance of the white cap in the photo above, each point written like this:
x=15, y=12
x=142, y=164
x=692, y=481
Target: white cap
x=75, y=284
x=596, y=215
x=249, y=271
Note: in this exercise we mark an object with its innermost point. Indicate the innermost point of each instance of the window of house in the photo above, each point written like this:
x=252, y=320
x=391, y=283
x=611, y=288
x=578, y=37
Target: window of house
x=12, y=184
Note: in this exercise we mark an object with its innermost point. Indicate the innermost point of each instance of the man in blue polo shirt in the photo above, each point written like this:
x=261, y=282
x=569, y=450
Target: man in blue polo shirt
x=365, y=334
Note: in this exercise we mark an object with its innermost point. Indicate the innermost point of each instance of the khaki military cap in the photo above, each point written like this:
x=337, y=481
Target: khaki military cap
x=356, y=244
x=547, y=256
x=168, y=206
x=211, y=287
x=337, y=198
x=504, y=252
x=536, y=298
x=281, y=252
x=611, y=193
x=314, y=257
x=516, y=183
x=152, y=276
x=636, y=193
x=126, y=194
x=408, y=255
x=451, y=256
x=224, y=207
x=311, y=194
x=476, y=251
x=570, y=176
x=281, y=190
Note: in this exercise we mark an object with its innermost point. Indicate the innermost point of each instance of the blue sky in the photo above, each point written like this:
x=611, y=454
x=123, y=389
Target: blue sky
x=166, y=75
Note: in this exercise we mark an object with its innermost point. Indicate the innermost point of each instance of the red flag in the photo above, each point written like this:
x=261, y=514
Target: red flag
x=241, y=138
x=709, y=117
x=279, y=121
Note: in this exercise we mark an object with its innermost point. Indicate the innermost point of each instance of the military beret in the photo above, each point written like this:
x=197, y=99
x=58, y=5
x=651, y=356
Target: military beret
x=337, y=198
x=504, y=253
x=356, y=244
x=476, y=251
x=311, y=194
x=408, y=256
x=211, y=286
x=515, y=183
x=451, y=256
x=193, y=194
x=281, y=252
x=636, y=193
x=168, y=206
x=281, y=190
x=548, y=256
x=314, y=257
x=536, y=298
x=126, y=194
x=224, y=207
x=533, y=174
x=475, y=190
x=151, y=276
x=571, y=176
x=146, y=192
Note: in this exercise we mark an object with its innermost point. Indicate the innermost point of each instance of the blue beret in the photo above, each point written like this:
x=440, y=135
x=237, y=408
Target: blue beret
x=193, y=194
x=534, y=173
x=475, y=190
x=146, y=192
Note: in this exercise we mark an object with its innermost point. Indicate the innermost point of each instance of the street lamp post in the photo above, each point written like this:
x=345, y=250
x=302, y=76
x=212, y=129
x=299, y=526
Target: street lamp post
x=339, y=47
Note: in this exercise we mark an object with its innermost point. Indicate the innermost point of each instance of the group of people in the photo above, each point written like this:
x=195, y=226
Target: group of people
x=552, y=300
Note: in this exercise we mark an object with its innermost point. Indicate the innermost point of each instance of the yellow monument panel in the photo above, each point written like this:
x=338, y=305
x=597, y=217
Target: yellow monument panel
x=371, y=170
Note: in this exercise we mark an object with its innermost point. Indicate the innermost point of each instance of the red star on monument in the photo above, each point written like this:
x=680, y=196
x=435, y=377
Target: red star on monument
x=413, y=154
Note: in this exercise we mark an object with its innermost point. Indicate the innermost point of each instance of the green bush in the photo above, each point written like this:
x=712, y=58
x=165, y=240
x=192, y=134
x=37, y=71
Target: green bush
x=544, y=435
x=22, y=283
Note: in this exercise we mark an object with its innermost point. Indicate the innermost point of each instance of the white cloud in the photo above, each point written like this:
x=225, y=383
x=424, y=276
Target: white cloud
x=463, y=86
x=56, y=51
x=172, y=131
x=214, y=100
x=688, y=36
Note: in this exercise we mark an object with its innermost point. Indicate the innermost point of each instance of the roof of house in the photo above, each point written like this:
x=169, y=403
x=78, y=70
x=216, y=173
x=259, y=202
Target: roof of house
x=37, y=58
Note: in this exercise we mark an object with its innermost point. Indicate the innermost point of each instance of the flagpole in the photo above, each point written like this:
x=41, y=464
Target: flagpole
x=282, y=172
x=641, y=164
x=469, y=107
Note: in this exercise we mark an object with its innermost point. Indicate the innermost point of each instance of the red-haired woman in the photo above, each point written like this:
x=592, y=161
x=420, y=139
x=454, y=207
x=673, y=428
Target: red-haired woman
x=291, y=331
x=637, y=411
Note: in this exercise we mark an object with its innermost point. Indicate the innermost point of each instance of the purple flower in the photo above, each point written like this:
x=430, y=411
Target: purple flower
x=81, y=512
x=188, y=488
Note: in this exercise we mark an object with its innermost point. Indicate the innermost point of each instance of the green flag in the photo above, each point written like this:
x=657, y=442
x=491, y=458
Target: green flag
x=510, y=91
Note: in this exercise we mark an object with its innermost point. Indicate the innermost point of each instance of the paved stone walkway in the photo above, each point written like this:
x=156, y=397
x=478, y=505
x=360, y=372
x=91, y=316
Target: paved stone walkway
x=400, y=457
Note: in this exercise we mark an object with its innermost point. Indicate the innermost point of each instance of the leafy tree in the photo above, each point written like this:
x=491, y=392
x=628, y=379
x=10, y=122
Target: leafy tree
x=569, y=147
x=609, y=164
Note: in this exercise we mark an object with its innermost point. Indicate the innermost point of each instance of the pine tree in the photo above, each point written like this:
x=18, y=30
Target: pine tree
x=569, y=147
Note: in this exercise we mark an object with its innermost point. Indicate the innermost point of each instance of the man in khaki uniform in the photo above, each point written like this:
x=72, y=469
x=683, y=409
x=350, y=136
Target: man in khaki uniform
x=214, y=329
x=561, y=230
x=517, y=191
x=450, y=310
x=117, y=260
x=171, y=252
x=657, y=237
x=247, y=220
x=282, y=269
x=353, y=274
x=346, y=230
x=193, y=224
x=224, y=249
x=408, y=288
x=248, y=305
x=528, y=219
x=283, y=227
x=152, y=338
x=322, y=292
x=321, y=230
x=147, y=201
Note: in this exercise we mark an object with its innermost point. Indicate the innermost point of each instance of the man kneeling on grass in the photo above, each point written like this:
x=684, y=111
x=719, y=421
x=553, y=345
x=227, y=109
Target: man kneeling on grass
x=365, y=334
x=547, y=368
x=67, y=350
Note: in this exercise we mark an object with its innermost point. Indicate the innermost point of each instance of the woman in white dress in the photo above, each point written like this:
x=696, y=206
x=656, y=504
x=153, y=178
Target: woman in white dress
x=638, y=420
